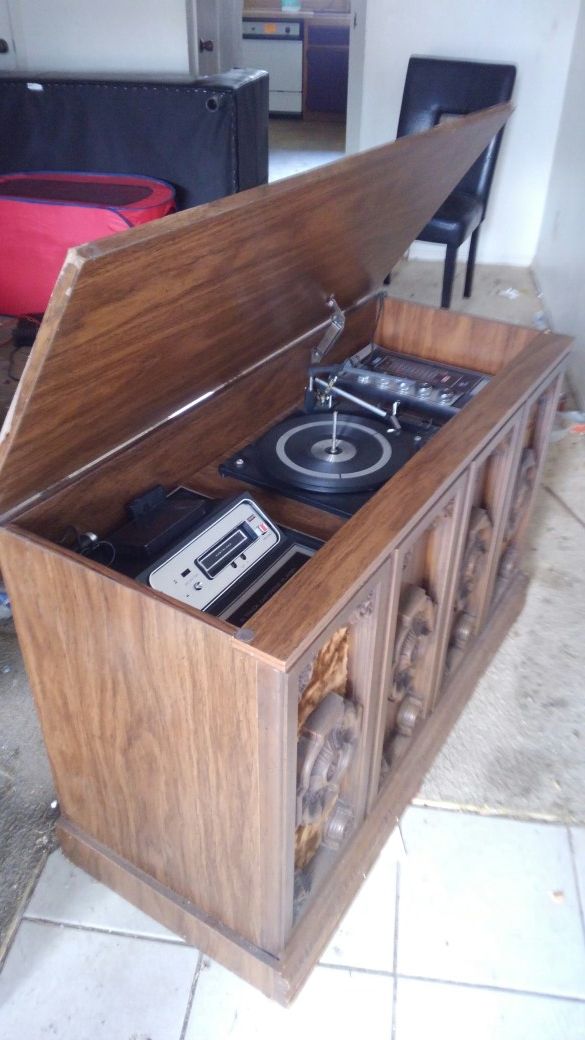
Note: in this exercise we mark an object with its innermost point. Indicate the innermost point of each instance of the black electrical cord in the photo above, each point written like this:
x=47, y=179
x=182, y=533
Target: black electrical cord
x=87, y=544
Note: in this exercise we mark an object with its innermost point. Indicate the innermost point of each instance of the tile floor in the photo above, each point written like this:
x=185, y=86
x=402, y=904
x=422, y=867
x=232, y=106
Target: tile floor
x=296, y=146
x=473, y=928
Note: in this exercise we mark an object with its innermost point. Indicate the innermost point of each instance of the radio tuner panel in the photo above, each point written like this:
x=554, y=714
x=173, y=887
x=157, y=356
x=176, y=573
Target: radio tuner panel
x=432, y=387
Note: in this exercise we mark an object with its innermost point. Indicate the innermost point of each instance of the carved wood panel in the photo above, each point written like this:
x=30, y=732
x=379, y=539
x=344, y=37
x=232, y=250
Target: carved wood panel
x=489, y=476
x=487, y=495
x=336, y=685
x=424, y=581
x=539, y=416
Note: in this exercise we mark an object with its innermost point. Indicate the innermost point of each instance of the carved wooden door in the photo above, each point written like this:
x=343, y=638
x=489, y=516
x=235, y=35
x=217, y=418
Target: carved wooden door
x=336, y=685
x=419, y=609
x=486, y=499
x=537, y=419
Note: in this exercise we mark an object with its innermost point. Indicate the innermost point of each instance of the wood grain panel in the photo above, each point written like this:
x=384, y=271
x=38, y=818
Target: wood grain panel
x=150, y=717
x=445, y=335
x=281, y=978
x=141, y=323
x=159, y=902
x=183, y=448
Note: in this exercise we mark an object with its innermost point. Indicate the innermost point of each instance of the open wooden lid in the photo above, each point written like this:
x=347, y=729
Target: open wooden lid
x=141, y=324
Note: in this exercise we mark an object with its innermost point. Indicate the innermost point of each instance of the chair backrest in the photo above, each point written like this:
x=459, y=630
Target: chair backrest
x=440, y=88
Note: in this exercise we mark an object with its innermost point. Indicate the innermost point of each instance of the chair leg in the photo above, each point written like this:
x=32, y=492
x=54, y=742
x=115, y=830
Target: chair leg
x=471, y=263
x=448, y=276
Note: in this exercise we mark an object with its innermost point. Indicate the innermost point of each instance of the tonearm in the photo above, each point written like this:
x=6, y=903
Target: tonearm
x=321, y=391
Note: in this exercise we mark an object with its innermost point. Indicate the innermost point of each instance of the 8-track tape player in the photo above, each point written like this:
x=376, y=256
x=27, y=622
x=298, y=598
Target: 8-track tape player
x=226, y=557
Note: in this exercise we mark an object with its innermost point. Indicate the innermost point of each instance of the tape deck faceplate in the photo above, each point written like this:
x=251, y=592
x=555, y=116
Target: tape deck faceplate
x=218, y=553
x=231, y=562
x=225, y=557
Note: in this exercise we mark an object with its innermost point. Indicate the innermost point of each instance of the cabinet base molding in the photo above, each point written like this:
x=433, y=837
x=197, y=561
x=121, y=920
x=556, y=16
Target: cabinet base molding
x=282, y=977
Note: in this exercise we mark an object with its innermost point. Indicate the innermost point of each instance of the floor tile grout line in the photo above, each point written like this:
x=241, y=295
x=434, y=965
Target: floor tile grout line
x=562, y=503
x=577, y=883
x=105, y=931
x=492, y=814
x=395, y=952
x=192, y=991
x=484, y=986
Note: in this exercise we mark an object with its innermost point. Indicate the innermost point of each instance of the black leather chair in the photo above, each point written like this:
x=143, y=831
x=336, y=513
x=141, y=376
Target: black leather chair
x=437, y=89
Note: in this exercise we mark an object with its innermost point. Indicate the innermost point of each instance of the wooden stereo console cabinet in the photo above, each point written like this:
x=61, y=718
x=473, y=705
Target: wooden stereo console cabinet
x=238, y=783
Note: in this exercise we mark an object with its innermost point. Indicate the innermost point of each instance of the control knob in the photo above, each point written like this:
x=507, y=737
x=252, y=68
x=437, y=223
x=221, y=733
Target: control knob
x=423, y=390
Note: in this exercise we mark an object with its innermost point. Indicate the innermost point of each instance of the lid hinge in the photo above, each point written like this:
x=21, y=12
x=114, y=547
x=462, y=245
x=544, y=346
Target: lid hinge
x=332, y=332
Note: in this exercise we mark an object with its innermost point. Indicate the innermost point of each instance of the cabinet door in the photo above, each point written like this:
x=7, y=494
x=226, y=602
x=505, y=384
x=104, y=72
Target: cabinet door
x=537, y=420
x=336, y=685
x=326, y=70
x=425, y=566
x=489, y=478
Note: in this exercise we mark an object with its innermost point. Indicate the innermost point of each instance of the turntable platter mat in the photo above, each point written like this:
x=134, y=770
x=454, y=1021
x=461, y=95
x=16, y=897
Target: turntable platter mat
x=300, y=451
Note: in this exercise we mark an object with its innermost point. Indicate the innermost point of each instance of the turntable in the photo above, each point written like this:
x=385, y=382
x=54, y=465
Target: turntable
x=334, y=461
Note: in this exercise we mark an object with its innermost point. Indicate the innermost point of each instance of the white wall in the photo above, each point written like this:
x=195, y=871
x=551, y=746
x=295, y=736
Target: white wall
x=355, y=88
x=126, y=37
x=560, y=258
x=109, y=36
x=535, y=35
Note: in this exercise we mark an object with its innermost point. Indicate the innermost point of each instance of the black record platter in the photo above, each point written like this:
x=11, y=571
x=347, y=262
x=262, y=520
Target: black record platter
x=332, y=460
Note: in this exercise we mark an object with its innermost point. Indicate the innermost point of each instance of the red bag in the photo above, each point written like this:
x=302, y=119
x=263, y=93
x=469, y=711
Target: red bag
x=43, y=214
